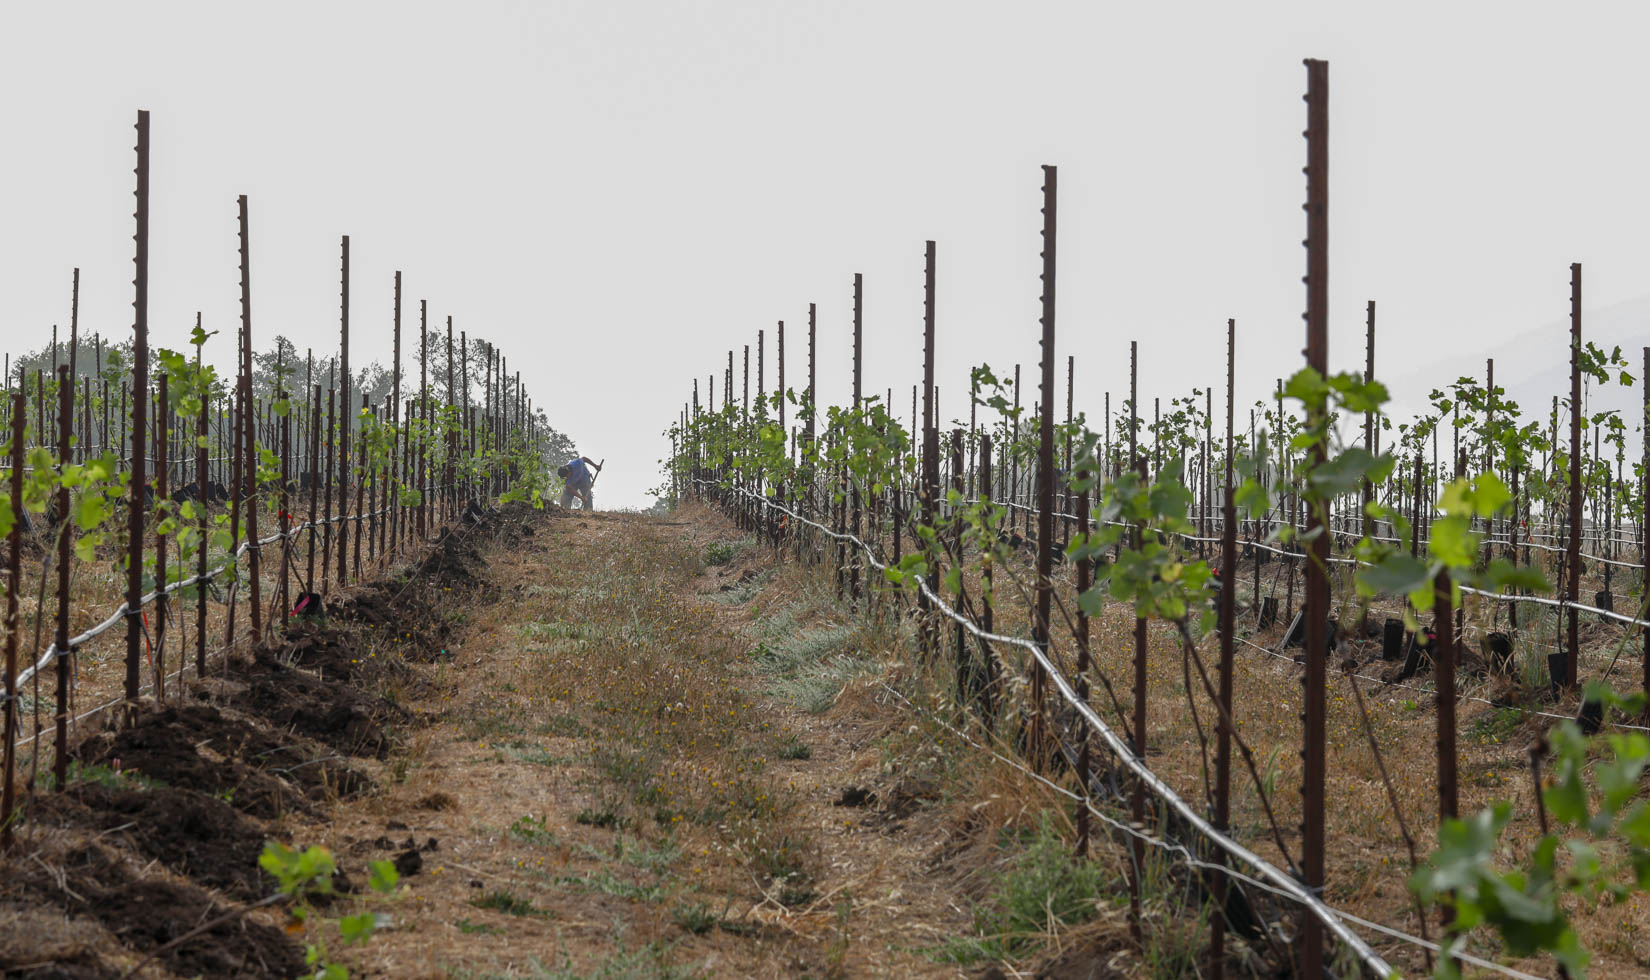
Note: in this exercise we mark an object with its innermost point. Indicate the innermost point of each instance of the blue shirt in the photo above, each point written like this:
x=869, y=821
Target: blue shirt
x=578, y=475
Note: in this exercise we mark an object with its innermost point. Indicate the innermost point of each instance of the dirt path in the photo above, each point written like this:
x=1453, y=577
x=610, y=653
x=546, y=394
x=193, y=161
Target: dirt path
x=621, y=778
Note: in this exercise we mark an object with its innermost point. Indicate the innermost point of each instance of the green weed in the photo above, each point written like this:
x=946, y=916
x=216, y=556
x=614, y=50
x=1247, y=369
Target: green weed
x=607, y=883
x=100, y=775
x=501, y=900
x=793, y=748
x=724, y=552
x=1494, y=727
x=1046, y=887
x=531, y=830
x=565, y=726
x=694, y=917
x=606, y=818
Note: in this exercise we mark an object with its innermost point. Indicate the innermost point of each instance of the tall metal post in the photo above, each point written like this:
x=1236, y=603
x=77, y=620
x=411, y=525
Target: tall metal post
x=859, y=296
x=1228, y=612
x=85, y=451
x=930, y=444
x=1317, y=565
x=1369, y=417
x=1137, y=792
x=162, y=429
x=60, y=641
x=249, y=457
x=423, y=449
x=140, y=409
x=202, y=473
x=395, y=423
x=1572, y=544
x=1045, y=468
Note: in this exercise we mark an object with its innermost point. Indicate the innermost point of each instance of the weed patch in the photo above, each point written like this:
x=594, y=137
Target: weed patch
x=1044, y=889
x=607, y=883
x=606, y=818
x=531, y=830
x=792, y=747
x=694, y=917
x=503, y=901
x=564, y=726
x=1495, y=726
x=719, y=553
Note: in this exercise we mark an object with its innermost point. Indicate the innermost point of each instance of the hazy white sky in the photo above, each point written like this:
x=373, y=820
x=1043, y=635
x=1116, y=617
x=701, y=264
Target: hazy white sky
x=617, y=193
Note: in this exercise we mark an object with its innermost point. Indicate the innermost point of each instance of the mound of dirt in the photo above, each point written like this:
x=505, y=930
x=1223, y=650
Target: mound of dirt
x=144, y=915
x=408, y=618
x=454, y=561
x=198, y=836
x=339, y=715
x=260, y=772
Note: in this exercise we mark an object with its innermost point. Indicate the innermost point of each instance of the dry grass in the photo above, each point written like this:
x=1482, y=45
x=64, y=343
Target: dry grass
x=638, y=772
x=607, y=757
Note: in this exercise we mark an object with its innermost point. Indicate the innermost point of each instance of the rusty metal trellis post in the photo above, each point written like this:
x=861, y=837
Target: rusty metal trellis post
x=859, y=351
x=930, y=446
x=1137, y=793
x=284, y=516
x=422, y=472
x=1317, y=566
x=249, y=451
x=343, y=409
x=329, y=460
x=809, y=455
x=1572, y=545
x=1228, y=612
x=360, y=475
x=1045, y=470
x=162, y=428
x=1370, y=439
x=202, y=496
x=399, y=437
x=140, y=407
x=236, y=484
x=60, y=640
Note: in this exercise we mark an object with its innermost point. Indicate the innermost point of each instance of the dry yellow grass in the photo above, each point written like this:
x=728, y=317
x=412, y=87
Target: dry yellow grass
x=608, y=755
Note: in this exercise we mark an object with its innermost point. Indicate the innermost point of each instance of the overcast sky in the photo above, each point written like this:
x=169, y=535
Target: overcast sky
x=617, y=193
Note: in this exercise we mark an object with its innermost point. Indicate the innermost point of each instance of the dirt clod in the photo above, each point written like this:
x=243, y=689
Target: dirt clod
x=409, y=863
x=436, y=801
x=856, y=796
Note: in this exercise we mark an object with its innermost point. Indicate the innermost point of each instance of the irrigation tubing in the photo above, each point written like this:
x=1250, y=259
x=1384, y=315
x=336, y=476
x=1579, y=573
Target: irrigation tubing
x=1191, y=859
x=1283, y=883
